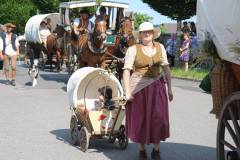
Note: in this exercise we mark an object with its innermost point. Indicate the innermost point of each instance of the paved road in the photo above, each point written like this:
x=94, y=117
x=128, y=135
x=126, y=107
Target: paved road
x=34, y=123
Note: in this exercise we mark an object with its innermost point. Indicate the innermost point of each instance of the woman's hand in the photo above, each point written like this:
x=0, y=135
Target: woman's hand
x=129, y=97
x=170, y=95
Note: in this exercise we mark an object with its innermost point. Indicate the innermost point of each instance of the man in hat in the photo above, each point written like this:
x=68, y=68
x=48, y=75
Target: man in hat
x=10, y=51
x=83, y=24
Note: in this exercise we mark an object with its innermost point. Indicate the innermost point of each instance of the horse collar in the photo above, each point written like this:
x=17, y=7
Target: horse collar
x=96, y=50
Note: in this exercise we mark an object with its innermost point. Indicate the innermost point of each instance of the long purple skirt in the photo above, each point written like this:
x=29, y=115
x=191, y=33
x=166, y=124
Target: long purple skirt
x=147, y=115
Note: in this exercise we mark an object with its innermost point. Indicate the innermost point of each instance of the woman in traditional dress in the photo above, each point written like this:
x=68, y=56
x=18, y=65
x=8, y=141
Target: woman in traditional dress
x=147, y=119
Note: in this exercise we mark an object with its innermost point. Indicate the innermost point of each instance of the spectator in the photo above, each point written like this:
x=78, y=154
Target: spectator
x=171, y=49
x=184, y=55
x=185, y=29
x=10, y=51
x=193, y=30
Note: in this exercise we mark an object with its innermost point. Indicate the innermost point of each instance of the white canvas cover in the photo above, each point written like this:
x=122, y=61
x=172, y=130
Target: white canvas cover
x=84, y=83
x=33, y=24
x=221, y=19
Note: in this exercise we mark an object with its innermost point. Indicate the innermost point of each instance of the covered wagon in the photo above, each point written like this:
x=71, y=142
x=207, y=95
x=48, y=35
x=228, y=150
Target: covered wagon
x=83, y=87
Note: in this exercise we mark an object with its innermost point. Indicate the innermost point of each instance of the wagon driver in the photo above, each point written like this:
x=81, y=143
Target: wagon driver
x=83, y=24
x=147, y=98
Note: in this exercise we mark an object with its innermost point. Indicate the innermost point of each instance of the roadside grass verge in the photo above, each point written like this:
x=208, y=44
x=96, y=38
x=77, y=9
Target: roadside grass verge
x=194, y=74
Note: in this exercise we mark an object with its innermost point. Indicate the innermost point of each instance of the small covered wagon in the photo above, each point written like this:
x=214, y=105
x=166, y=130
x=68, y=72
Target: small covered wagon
x=86, y=124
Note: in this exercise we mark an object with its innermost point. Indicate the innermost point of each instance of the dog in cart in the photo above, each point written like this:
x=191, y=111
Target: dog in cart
x=97, y=105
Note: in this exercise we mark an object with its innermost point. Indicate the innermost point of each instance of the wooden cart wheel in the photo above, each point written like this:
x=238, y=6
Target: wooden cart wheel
x=74, y=130
x=122, y=138
x=228, y=135
x=84, y=139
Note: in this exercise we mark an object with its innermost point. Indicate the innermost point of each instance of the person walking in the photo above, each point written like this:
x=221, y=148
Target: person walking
x=10, y=51
x=147, y=119
x=185, y=51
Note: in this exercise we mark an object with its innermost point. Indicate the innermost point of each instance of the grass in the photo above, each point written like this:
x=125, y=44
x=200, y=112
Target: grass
x=194, y=74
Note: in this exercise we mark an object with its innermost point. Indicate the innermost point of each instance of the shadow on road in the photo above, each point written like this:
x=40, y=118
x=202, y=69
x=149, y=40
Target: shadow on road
x=2, y=81
x=57, y=77
x=169, y=151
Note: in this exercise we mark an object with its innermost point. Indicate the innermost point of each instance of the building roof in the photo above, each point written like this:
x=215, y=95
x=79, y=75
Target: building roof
x=89, y=3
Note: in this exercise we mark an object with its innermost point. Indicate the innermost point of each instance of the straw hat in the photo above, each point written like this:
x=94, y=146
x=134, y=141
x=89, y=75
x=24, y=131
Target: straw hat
x=146, y=26
x=10, y=25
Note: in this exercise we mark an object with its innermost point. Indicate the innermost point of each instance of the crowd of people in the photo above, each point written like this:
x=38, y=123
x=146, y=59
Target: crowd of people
x=189, y=45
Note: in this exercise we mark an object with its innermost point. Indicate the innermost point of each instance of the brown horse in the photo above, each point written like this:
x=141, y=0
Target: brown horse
x=55, y=47
x=123, y=40
x=91, y=48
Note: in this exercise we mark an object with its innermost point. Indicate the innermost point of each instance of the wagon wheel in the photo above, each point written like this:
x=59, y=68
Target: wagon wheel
x=74, y=130
x=84, y=139
x=229, y=122
x=122, y=138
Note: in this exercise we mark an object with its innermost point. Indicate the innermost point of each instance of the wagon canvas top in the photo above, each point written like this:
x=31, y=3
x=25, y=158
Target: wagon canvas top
x=224, y=28
x=89, y=3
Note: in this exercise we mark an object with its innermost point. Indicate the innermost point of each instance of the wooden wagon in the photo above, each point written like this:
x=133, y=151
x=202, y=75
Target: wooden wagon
x=82, y=86
x=224, y=28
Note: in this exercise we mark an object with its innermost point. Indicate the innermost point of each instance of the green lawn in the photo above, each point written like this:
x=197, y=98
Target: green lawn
x=195, y=74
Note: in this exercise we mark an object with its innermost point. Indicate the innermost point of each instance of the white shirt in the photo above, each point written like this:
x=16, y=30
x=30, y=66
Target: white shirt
x=44, y=33
x=131, y=54
x=90, y=27
x=1, y=44
x=9, y=48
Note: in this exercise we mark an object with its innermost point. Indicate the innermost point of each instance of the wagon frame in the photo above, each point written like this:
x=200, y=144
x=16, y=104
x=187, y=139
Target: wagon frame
x=114, y=10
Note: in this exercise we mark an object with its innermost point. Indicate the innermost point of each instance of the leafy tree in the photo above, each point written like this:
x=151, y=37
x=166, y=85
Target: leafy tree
x=139, y=18
x=17, y=12
x=174, y=9
x=47, y=6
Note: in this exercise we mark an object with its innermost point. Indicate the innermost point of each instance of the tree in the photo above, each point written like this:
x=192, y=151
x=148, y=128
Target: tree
x=174, y=9
x=139, y=18
x=17, y=12
x=47, y=6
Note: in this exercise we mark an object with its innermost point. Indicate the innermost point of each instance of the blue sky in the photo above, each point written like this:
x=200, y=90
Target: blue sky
x=139, y=6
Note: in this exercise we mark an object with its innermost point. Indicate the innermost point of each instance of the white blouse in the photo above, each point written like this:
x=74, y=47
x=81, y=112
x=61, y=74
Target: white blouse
x=131, y=54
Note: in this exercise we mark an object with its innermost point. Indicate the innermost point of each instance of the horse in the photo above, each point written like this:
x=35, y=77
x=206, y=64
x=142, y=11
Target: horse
x=123, y=41
x=90, y=48
x=37, y=51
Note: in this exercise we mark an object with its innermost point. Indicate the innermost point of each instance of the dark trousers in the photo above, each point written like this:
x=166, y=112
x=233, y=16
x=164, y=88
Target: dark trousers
x=171, y=60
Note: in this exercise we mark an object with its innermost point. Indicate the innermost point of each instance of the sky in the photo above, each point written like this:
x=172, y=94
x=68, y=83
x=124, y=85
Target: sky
x=139, y=6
